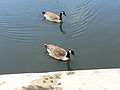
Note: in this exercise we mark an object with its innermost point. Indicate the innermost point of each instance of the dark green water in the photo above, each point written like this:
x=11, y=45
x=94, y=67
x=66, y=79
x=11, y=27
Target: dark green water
x=92, y=29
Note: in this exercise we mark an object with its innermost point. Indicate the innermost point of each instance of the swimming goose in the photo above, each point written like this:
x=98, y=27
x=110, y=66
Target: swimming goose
x=58, y=53
x=53, y=17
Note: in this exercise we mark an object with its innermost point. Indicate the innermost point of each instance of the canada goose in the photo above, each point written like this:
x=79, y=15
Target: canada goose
x=53, y=17
x=58, y=53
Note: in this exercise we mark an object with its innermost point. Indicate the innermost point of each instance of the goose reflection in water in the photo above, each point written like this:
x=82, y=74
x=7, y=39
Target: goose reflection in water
x=61, y=29
x=68, y=65
x=60, y=25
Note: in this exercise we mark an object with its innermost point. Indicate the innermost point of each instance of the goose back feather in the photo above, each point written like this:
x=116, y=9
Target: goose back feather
x=56, y=52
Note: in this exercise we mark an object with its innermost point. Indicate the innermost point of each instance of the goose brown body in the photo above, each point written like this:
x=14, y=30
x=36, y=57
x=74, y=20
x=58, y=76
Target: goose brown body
x=53, y=17
x=56, y=52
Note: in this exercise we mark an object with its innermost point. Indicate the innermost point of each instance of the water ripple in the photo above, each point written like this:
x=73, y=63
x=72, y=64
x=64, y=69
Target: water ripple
x=15, y=33
x=80, y=13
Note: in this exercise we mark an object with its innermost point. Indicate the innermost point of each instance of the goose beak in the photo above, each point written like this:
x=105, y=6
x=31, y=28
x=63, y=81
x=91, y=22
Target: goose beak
x=72, y=52
x=64, y=14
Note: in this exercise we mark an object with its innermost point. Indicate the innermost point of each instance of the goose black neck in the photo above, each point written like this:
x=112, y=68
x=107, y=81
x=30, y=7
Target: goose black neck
x=68, y=54
x=60, y=16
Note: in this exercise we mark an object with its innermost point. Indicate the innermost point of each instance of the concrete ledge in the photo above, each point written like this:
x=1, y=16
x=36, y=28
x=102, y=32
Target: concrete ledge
x=101, y=79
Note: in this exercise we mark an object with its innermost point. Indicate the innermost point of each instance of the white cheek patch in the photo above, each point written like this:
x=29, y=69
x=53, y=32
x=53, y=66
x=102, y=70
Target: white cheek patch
x=46, y=16
x=70, y=51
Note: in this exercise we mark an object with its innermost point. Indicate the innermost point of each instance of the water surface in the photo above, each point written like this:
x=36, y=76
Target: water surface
x=91, y=28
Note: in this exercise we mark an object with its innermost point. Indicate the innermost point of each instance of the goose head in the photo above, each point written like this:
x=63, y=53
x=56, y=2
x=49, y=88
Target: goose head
x=63, y=13
x=71, y=51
